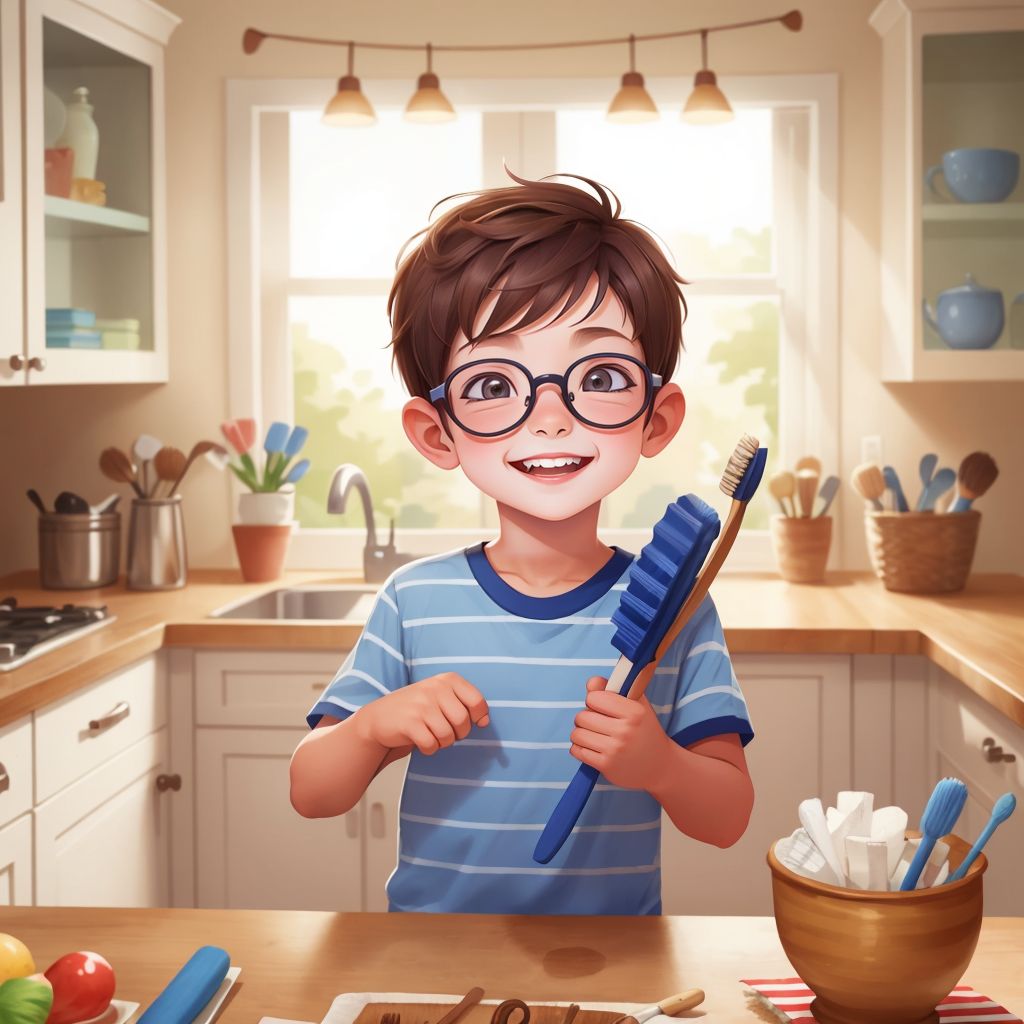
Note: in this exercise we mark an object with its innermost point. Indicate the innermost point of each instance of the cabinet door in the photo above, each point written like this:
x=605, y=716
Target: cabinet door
x=16, y=863
x=381, y=852
x=12, y=344
x=254, y=850
x=800, y=710
x=104, y=840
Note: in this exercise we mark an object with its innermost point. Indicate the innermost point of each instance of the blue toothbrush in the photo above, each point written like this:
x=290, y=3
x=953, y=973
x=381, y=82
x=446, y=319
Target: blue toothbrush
x=940, y=815
x=1003, y=809
x=190, y=989
x=663, y=592
x=892, y=483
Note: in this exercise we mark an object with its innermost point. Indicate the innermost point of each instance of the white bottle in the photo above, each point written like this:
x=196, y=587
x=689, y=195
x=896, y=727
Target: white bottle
x=81, y=134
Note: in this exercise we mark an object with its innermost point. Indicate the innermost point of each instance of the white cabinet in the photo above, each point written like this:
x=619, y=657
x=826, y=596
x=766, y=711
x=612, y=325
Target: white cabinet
x=952, y=79
x=108, y=259
x=16, y=863
x=15, y=769
x=104, y=840
x=380, y=849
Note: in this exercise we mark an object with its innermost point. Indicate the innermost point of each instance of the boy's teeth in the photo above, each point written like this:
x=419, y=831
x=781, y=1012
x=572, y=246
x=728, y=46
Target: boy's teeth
x=551, y=463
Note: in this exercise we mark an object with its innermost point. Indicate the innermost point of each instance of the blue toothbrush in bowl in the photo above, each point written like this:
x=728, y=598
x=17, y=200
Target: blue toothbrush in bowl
x=1004, y=807
x=663, y=592
x=940, y=816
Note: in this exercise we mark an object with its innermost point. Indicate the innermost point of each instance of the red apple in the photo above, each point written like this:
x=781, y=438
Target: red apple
x=83, y=985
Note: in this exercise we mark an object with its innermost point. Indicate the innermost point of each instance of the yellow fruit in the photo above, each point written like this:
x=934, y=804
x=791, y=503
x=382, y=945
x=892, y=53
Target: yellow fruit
x=15, y=959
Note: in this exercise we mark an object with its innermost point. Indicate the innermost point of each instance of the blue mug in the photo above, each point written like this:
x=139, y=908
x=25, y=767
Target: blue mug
x=976, y=175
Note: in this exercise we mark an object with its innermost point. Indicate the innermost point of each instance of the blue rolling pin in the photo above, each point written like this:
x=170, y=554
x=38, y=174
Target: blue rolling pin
x=190, y=989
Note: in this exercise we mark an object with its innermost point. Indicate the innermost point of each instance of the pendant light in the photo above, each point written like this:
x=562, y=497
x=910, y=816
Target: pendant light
x=349, y=106
x=632, y=103
x=707, y=103
x=429, y=105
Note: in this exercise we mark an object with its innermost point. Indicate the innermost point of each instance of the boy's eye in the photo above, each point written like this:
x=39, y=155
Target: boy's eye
x=488, y=386
x=607, y=378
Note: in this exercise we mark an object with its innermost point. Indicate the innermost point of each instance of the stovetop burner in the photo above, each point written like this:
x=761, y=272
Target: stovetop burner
x=33, y=630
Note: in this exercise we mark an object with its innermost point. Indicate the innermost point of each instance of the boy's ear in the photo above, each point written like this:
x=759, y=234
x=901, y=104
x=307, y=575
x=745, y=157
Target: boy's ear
x=666, y=419
x=423, y=427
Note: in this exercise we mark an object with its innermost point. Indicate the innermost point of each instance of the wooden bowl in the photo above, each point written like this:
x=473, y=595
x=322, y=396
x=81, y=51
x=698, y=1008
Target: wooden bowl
x=879, y=957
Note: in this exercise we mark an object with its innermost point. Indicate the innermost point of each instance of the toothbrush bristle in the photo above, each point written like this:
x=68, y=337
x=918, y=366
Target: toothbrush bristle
x=743, y=454
x=944, y=807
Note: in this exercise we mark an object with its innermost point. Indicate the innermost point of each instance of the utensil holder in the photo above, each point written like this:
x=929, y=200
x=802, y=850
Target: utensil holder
x=157, y=559
x=801, y=547
x=79, y=551
x=922, y=552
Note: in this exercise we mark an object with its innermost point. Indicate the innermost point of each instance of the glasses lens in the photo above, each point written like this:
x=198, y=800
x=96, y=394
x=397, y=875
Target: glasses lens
x=489, y=397
x=608, y=391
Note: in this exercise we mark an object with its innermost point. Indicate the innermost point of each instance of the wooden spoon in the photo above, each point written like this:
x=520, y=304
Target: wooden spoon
x=471, y=998
x=809, y=462
x=170, y=464
x=199, y=448
x=783, y=485
x=869, y=483
x=807, y=488
x=115, y=465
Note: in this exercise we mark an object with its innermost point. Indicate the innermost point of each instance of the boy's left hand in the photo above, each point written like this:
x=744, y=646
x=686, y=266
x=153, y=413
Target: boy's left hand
x=621, y=738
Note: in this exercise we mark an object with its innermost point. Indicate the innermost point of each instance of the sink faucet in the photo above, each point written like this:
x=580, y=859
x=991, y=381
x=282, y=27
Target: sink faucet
x=379, y=560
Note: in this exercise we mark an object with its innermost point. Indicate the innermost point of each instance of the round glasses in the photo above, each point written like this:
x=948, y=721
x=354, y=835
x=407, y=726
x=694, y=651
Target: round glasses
x=488, y=397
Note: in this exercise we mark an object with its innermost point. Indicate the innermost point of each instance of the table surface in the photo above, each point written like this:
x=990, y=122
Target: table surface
x=295, y=962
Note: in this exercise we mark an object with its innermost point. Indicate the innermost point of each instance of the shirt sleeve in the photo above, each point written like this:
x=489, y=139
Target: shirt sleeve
x=374, y=667
x=707, y=700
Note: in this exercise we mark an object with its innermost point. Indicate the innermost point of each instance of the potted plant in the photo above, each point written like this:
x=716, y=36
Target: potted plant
x=266, y=511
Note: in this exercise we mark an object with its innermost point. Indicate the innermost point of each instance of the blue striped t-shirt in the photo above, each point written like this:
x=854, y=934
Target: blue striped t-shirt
x=471, y=814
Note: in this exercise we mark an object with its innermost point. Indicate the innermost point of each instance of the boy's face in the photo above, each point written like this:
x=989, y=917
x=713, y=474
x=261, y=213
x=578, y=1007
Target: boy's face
x=502, y=466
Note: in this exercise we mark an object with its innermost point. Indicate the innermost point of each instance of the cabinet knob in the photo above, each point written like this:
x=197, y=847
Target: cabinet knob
x=352, y=824
x=117, y=713
x=16, y=362
x=166, y=782
x=5, y=779
x=37, y=363
x=994, y=753
x=377, y=820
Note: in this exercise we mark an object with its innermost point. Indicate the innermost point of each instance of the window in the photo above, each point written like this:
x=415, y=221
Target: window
x=739, y=208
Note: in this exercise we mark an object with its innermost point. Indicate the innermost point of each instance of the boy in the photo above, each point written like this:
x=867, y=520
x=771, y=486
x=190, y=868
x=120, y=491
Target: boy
x=536, y=332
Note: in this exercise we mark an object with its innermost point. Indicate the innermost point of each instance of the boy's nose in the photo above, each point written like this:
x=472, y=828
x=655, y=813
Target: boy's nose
x=549, y=417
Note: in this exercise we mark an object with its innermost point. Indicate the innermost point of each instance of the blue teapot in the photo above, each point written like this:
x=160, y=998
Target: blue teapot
x=969, y=316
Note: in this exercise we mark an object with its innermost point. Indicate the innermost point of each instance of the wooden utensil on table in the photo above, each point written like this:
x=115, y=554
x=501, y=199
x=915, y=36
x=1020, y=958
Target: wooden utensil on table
x=199, y=448
x=978, y=472
x=809, y=462
x=115, y=465
x=869, y=483
x=169, y=464
x=672, y=1005
x=782, y=485
x=470, y=999
x=807, y=488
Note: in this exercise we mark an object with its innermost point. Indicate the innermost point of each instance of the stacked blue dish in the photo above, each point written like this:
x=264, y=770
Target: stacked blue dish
x=71, y=328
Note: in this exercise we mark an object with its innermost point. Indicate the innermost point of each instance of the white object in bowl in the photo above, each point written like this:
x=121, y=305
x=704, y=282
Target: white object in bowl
x=889, y=824
x=55, y=115
x=812, y=817
x=267, y=508
x=799, y=854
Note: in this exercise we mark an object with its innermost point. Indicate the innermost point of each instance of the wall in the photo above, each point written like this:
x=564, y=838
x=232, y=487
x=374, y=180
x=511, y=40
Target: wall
x=52, y=436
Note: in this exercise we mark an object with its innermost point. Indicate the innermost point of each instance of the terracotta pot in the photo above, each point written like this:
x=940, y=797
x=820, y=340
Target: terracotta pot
x=801, y=547
x=874, y=957
x=261, y=550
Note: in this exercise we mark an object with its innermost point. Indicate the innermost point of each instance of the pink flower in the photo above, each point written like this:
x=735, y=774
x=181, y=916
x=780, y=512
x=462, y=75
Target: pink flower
x=240, y=434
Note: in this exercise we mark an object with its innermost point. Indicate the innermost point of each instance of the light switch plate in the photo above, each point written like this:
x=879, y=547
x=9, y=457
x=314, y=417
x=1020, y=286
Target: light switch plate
x=871, y=449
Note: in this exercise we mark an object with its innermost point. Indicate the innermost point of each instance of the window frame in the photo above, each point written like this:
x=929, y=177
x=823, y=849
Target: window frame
x=516, y=128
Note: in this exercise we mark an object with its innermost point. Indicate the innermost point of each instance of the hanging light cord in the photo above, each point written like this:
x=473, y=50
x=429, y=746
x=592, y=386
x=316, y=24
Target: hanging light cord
x=253, y=38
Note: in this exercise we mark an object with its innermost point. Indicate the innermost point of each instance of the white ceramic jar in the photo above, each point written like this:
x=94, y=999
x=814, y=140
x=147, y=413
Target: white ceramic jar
x=81, y=134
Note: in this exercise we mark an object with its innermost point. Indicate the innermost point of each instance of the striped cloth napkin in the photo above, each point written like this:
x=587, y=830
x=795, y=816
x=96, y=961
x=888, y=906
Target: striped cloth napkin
x=791, y=998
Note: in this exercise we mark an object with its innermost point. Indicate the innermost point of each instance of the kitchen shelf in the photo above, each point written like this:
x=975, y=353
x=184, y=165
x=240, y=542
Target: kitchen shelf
x=964, y=220
x=987, y=364
x=66, y=218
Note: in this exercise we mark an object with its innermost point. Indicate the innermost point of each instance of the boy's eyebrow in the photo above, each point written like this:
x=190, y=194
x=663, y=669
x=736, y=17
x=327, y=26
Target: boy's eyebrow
x=579, y=335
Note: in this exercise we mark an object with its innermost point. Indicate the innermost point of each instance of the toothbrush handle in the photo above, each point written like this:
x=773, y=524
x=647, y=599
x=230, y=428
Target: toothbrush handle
x=961, y=504
x=566, y=813
x=972, y=855
x=924, y=851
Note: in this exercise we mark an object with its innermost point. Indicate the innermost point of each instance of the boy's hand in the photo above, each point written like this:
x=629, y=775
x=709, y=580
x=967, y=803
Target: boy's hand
x=427, y=715
x=621, y=738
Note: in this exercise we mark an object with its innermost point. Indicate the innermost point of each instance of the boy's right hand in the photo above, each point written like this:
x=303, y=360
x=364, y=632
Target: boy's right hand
x=427, y=715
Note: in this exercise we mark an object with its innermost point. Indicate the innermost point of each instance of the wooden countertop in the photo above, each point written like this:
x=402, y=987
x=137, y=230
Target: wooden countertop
x=295, y=962
x=977, y=634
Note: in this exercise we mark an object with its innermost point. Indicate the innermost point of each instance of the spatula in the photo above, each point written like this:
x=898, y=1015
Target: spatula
x=1003, y=809
x=937, y=486
x=828, y=493
x=940, y=816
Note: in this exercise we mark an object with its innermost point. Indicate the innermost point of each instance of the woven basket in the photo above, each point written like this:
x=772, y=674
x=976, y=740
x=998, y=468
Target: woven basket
x=922, y=552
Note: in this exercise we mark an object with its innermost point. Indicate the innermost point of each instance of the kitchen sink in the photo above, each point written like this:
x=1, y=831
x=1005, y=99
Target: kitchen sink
x=340, y=602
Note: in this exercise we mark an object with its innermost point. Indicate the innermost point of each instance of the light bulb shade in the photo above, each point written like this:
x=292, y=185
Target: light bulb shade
x=429, y=105
x=632, y=103
x=707, y=103
x=349, y=106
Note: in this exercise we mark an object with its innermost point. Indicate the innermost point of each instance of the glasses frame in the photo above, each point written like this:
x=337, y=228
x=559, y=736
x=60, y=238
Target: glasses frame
x=439, y=394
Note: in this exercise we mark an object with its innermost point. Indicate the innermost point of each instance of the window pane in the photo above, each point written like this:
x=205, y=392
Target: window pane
x=358, y=194
x=730, y=377
x=347, y=397
x=705, y=190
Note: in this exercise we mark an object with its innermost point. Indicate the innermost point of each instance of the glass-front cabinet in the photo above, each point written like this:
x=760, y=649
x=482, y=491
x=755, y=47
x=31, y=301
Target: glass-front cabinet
x=93, y=192
x=952, y=229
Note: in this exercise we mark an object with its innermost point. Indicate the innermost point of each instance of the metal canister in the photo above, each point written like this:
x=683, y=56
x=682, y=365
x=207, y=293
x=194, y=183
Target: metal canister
x=157, y=559
x=79, y=551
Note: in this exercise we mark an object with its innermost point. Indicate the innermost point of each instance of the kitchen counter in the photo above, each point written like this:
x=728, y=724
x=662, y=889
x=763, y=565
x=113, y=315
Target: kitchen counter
x=977, y=635
x=295, y=962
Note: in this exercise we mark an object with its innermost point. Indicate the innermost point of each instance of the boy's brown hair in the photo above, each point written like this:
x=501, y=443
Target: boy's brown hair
x=534, y=243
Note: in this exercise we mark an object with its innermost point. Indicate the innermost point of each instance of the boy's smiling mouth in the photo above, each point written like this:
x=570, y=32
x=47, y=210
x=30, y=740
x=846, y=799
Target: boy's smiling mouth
x=555, y=466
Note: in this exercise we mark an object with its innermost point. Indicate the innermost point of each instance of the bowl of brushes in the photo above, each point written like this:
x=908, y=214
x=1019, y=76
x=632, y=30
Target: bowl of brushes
x=802, y=532
x=922, y=550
